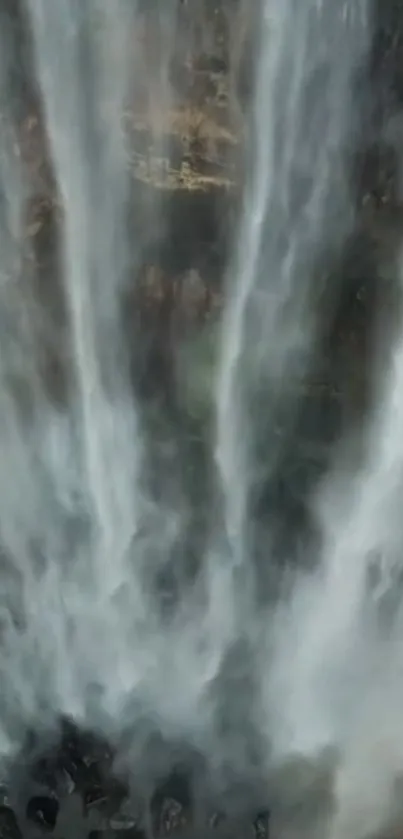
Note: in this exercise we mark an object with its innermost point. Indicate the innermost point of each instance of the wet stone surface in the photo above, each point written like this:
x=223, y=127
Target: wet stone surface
x=43, y=810
x=9, y=828
x=69, y=791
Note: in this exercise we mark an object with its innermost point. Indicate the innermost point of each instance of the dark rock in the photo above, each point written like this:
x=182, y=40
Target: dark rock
x=43, y=810
x=107, y=799
x=171, y=804
x=261, y=825
x=94, y=798
x=124, y=818
x=172, y=816
x=9, y=828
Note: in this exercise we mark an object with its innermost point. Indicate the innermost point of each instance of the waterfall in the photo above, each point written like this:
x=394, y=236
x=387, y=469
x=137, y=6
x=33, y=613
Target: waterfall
x=99, y=622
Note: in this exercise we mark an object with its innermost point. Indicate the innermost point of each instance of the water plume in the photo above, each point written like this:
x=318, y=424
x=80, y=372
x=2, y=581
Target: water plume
x=296, y=207
x=100, y=623
x=340, y=649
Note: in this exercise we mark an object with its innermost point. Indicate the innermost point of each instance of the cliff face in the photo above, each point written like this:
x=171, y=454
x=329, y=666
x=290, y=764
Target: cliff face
x=184, y=133
x=185, y=123
x=184, y=138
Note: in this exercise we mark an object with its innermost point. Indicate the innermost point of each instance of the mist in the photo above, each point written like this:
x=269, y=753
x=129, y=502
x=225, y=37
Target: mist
x=200, y=473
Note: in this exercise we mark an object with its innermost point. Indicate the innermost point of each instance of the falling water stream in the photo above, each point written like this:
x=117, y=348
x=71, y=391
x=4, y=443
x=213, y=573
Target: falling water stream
x=82, y=539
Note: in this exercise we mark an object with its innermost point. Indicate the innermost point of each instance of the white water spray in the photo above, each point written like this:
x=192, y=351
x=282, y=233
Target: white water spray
x=79, y=530
x=296, y=206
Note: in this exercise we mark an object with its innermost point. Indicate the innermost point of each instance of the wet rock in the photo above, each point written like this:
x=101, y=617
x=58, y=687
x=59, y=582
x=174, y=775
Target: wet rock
x=108, y=800
x=4, y=796
x=216, y=820
x=94, y=798
x=124, y=819
x=43, y=811
x=9, y=828
x=83, y=756
x=171, y=804
x=66, y=782
x=172, y=817
x=261, y=825
x=122, y=823
x=97, y=804
x=55, y=777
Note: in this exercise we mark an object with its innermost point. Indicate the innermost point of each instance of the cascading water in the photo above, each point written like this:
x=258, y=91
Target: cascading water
x=339, y=654
x=83, y=540
x=296, y=206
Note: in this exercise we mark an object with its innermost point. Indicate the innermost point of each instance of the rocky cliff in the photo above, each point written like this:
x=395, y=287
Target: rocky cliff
x=185, y=126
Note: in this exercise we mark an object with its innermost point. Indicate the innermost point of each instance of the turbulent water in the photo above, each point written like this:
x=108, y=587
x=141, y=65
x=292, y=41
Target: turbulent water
x=255, y=686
